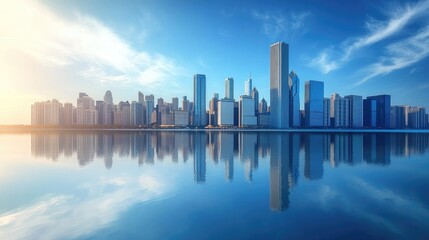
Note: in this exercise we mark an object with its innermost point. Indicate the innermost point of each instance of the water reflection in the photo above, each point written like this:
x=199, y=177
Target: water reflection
x=283, y=150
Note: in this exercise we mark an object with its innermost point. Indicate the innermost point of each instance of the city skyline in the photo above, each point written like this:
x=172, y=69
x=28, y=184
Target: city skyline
x=359, y=54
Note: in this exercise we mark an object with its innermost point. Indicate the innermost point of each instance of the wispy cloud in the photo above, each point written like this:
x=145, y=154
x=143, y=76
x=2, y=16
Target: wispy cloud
x=401, y=54
x=277, y=24
x=397, y=18
x=83, y=42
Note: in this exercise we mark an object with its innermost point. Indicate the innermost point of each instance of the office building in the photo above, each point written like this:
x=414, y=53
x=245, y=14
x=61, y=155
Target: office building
x=417, y=118
x=370, y=113
x=383, y=110
x=279, y=89
x=340, y=111
x=225, y=112
x=294, y=105
x=326, y=112
x=255, y=97
x=397, y=117
x=313, y=103
x=213, y=110
x=181, y=118
x=355, y=111
x=229, y=88
x=150, y=106
x=248, y=87
x=246, y=112
x=263, y=108
x=136, y=113
x=199, y=110
x=108, y=107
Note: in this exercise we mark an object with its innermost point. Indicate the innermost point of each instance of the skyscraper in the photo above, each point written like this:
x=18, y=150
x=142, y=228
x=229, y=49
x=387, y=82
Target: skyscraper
x=199, y=110
x=229, y=88
x=279, y=89
x=255, y=96
x=356, y=111
x=248, y=87
x=108, y=108
x=294, y=114
x=383, y=110
x=370, y=113
x=313, y=103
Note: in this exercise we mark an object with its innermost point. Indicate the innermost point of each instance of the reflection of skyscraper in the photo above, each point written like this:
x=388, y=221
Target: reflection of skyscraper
x=376, y=148
x=313, y=168
x=279, y=186
x=248, y=153
x=199, y=144
x=279, y=89
x=226, y=153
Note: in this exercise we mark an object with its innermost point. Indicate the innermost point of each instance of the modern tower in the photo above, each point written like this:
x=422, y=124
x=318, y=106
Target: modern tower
x=313, y=103
x=383, y=110
x=248, y=87
x=229, y=88
x=356, y=111
x=199, y=110
x=294, y=114
x=279, y=89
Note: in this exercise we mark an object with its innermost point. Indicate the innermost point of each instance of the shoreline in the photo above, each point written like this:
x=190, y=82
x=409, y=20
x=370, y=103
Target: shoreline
x=16, y=129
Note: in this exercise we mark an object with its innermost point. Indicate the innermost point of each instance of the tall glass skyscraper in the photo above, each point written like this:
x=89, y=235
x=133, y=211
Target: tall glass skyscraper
x=313, y=103
x=294, y=114
x=279, y=89
x=199, y=110
x=383, y=110
x=248, y=87
x=229, y=88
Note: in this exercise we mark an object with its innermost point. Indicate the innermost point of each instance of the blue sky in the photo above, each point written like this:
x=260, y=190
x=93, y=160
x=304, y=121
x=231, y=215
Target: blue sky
x=55, y=49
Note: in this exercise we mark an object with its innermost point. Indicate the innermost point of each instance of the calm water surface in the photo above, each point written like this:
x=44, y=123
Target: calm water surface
x=221, y=185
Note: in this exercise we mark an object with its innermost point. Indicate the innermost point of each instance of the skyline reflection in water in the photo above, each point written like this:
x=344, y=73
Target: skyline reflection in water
x=213, y=185
x=283, y=151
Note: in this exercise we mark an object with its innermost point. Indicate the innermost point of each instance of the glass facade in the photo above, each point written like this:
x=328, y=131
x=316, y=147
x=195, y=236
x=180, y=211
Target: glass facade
x=199, y=112
x=313, y=105
x=279, y=89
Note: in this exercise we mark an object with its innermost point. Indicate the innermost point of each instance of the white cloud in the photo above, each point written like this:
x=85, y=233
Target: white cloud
x=83, y=41
x=401, y=54
x=397, y=19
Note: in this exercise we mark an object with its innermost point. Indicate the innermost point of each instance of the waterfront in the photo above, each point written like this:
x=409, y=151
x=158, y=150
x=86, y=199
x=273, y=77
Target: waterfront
x=211, y=185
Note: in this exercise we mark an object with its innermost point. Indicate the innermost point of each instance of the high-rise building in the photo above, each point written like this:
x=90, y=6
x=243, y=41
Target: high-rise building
x=150, y=105
x=68, y=114
x=174, y=104
x=326, y=112
x=340, y=111
x=383, y=110
x=213, y=110
x=108, y=107
x=294, y=114
x=255, y=96
x=86, y=113
x=417, y=118
x=397, y=117
x=248, y=87
x=370, y=113
x=246, y=112
x=229, y=88
x=279, y=89
x=108, y=99
x=136, y=113
x=356, y=111
x=263, y=107
x=225, y=112
x=199, y=110
x=185, y=104
x=313, y=103
x=141, y=98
